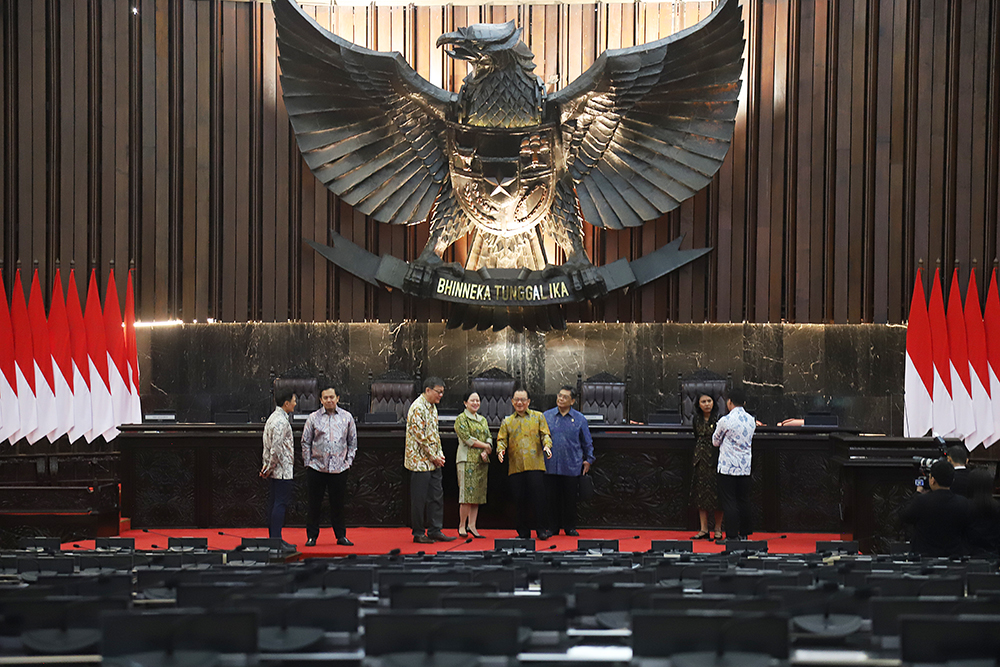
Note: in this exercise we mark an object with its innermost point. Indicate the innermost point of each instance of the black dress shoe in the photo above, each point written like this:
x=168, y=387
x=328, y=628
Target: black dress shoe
x=422, y=539
x=573, y=532
x=344, y=542
x=441, y=537
x=285, y=546
x=311, y=542
x=544, y=535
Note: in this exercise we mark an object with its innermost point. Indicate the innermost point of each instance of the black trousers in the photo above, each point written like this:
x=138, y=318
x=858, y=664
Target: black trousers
x=529, y=497
x=321, y=484
x=426, y=502
x=563, y=492
x=734, y=492
x=279, y=493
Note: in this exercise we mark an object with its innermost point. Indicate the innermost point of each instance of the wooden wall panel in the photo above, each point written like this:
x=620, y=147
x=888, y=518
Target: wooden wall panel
x=868, y=140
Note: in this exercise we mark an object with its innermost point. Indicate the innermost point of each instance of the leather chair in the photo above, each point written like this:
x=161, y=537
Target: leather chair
x=606, y=395
x=701, y=382
x=496, y=389
x=393, y=391
x=306, y=390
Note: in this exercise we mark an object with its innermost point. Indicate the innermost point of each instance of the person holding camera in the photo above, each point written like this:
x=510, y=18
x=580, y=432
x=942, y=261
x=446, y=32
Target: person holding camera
x=939, y=516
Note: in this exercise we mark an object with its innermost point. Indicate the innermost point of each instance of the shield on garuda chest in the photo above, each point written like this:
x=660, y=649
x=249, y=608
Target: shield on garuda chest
x=504, y=179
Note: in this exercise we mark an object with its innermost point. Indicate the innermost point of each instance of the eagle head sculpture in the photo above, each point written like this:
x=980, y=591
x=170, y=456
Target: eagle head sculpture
x=643, y=129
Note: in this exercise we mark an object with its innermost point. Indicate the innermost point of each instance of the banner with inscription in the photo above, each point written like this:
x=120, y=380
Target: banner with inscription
x=502, y=288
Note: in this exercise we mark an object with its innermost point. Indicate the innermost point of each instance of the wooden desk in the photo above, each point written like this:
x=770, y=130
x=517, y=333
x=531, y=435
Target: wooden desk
x=204, y=476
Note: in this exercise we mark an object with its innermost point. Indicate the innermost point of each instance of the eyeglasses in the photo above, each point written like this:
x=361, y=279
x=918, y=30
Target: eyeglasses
x=439, y=392
x=520, y=400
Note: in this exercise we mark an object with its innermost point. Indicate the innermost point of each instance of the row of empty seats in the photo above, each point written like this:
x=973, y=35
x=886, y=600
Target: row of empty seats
x=137, y=607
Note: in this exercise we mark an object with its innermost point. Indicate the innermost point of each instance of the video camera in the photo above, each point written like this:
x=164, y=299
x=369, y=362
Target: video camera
x=924, y=464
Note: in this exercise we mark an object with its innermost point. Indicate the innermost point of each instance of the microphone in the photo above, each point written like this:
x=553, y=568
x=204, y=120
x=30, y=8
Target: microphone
x=458, y=544
x=393, y=552
x=239, y=547
x=153, y=532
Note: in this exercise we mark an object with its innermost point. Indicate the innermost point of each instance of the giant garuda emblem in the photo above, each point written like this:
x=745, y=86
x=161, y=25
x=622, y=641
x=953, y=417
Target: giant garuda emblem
x=506, y=164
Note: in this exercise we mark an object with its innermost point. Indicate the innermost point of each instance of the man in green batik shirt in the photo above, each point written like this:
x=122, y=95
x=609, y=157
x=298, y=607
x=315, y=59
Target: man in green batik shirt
x=525, y=442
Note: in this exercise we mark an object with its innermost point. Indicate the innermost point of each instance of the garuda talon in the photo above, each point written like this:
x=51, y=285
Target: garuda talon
x=643, y=129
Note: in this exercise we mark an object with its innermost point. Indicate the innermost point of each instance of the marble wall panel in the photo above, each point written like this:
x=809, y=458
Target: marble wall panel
x=854, y=371
x=644, y=355
x=563, y=352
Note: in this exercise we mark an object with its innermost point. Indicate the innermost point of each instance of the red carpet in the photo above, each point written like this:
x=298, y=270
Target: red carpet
x=382, y=540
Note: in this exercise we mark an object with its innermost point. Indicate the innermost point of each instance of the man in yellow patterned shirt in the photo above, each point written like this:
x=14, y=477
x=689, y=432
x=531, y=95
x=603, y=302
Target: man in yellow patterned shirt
x=424, y=458
x=525, y=441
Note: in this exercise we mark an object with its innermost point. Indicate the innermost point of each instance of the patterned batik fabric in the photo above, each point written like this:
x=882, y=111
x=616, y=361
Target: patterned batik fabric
x=733, y=436
x=279, y=447
x=523, y=439
x=472, y=482
x=329, y=441
x=423, y=440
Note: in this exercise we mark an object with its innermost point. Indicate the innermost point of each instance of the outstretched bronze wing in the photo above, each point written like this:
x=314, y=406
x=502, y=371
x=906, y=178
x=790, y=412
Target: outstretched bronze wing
x=368, y=126
x=648, y=126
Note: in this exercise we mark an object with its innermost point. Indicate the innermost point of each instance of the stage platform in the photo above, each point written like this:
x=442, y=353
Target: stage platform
x=368, y=541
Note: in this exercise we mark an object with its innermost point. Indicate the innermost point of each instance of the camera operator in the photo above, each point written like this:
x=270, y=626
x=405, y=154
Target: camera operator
x=958, y=456
x=939, y=517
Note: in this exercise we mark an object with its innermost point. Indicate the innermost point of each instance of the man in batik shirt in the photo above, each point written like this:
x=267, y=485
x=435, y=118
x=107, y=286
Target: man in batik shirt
x=734, y=436
x=329, y=443
x=424, y=458
x=524, y=441
x=278, y=463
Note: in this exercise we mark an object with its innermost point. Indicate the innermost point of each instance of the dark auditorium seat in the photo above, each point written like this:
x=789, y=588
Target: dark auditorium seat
x=391, y=392
x=493, y=632
x=496, y=389
x=605, y=395
x=538, y=612
x=129, y=633
x=700, y=382
x=662, y=633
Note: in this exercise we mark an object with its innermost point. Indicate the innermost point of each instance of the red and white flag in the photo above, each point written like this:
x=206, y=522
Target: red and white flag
x=62, y=359
x=24, y=358
x=919, y=377
x=10, y=412
x=83, y=417
x=944, y=412
x=97, y=353
x=991, y=322
x=961, y=381
x=979, y=371
x=45, y=389
x=118, y=372
x=132, y=354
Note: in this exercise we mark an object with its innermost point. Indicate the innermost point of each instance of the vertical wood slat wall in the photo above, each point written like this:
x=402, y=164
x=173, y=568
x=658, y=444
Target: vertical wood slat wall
x=868, y=138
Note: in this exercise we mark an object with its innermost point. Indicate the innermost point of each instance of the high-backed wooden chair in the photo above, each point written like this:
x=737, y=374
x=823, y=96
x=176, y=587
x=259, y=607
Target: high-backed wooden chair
x=496, y=389
x=605, y=395
x=701, y=382
x=392, y=392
